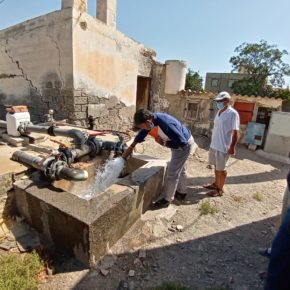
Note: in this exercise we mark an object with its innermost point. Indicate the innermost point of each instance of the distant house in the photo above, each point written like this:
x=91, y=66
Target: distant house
x=198, y=110
x=218, y=82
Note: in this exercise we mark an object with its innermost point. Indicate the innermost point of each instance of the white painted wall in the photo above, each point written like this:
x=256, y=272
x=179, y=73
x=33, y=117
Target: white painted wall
x=278, y=138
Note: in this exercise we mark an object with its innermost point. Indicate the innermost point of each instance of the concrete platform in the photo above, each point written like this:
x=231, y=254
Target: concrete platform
x=83, y=228
x=9, y=172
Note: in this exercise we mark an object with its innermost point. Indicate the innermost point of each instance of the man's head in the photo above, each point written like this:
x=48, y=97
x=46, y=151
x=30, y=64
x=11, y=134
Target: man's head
x=222, y=100
x=143, y=119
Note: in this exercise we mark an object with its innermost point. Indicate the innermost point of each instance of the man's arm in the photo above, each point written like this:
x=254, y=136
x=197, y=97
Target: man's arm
x=138, y=139
x=129, y=150
x=235, y=138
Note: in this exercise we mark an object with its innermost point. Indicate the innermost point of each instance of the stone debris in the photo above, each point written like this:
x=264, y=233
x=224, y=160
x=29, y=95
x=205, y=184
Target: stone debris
x=50, y=271
x=179, y=228
x=168, y=213
x=21, y=236
x=138, y=262
x=142, y=253
x=104, y=272
x=131, y=273
x=108, y=261
x=8, y=245
x=123, y=285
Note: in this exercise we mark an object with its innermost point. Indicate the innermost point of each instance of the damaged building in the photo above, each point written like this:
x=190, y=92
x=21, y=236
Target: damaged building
x=79, y=66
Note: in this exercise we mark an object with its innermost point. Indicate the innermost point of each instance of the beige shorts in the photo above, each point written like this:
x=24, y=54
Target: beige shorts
x=218, y=159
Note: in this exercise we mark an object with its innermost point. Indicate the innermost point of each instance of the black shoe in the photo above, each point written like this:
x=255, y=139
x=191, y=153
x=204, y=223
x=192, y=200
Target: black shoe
x=161, y=203
x=180, y=196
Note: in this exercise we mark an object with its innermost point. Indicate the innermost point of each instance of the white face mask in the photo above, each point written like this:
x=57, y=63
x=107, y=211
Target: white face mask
x=220, y=105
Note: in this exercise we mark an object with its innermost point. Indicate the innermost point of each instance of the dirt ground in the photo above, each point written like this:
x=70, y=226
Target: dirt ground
x=180, y=244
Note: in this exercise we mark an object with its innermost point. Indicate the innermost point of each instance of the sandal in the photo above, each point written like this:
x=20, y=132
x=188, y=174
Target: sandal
x=210, y=186
x=214, y=193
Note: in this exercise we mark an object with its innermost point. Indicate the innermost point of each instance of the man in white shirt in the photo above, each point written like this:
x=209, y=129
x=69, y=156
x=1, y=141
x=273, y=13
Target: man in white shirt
x=224, y=139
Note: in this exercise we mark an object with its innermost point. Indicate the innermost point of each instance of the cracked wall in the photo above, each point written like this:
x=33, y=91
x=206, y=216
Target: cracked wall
x=75, y=64
x=36, y=65
x=106, y=66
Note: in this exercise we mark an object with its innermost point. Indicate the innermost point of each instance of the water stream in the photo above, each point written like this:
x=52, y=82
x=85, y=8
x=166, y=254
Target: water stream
x=106, y=176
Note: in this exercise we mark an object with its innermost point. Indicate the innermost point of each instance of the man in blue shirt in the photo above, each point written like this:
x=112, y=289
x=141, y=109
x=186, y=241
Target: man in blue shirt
x=169, y=132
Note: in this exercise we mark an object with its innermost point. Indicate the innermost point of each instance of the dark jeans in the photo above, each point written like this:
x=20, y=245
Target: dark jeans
x=278, y=277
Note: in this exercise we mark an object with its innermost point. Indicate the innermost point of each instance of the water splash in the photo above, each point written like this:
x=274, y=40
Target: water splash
x=105, y=177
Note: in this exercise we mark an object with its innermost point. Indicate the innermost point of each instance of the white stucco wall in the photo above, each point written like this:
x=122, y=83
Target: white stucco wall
x=278, y=138
x=106, y=62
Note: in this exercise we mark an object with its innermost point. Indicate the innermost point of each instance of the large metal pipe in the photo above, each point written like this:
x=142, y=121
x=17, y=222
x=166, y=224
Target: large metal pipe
x=72, y=174
x=78, y=136
x=77, y=153
x=53, y=169
x=31, y=160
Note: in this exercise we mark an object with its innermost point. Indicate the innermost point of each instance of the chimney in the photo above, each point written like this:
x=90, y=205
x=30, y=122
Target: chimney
x=81, y=5
x=106, y=12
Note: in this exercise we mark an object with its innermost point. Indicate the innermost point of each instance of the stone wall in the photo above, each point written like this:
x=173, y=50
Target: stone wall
x=108, y=113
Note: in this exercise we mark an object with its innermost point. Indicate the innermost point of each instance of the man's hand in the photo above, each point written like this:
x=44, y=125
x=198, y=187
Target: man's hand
x=160, y=141
x=128, y=151
x=231, y=150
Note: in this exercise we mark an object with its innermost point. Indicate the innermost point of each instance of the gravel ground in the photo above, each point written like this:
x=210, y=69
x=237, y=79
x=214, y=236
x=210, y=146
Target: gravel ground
x=216, y=251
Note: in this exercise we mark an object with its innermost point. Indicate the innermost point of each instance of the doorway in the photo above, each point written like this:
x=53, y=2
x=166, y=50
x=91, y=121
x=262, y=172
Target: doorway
x=143, y=92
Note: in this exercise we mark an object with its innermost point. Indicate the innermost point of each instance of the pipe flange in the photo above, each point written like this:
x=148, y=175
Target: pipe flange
x=95, y=146
x=66, y=155
x=22, y=128
x=53, y=167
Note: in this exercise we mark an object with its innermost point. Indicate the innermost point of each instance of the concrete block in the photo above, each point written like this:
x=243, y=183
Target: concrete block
x=38, y=148
x=37, y=138
x=93, y=100
x=77, y=115
x=87, y=228
x=252, y=147
x=127, y=112
x=16, y=141
x=111, y=102
x=80, y=100
x=98, y=110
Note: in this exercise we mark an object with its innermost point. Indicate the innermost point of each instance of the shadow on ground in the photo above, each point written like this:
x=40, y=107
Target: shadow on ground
x=225, y=259
x=279, y=170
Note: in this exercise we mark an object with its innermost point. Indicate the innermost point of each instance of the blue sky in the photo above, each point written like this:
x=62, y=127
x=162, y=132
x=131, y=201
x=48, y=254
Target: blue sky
x=202, y=32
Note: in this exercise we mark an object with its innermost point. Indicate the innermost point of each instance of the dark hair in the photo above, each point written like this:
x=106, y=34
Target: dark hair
x=141, y=116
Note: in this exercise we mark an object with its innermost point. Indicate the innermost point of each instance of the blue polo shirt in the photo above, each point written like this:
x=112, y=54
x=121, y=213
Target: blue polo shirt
x=176, y=133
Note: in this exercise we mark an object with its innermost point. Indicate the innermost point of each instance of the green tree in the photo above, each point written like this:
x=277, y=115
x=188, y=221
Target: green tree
x=193, y=81
x=264, y=65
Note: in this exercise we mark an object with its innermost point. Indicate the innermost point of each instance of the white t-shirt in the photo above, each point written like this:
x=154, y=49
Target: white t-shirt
x=224, y=125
